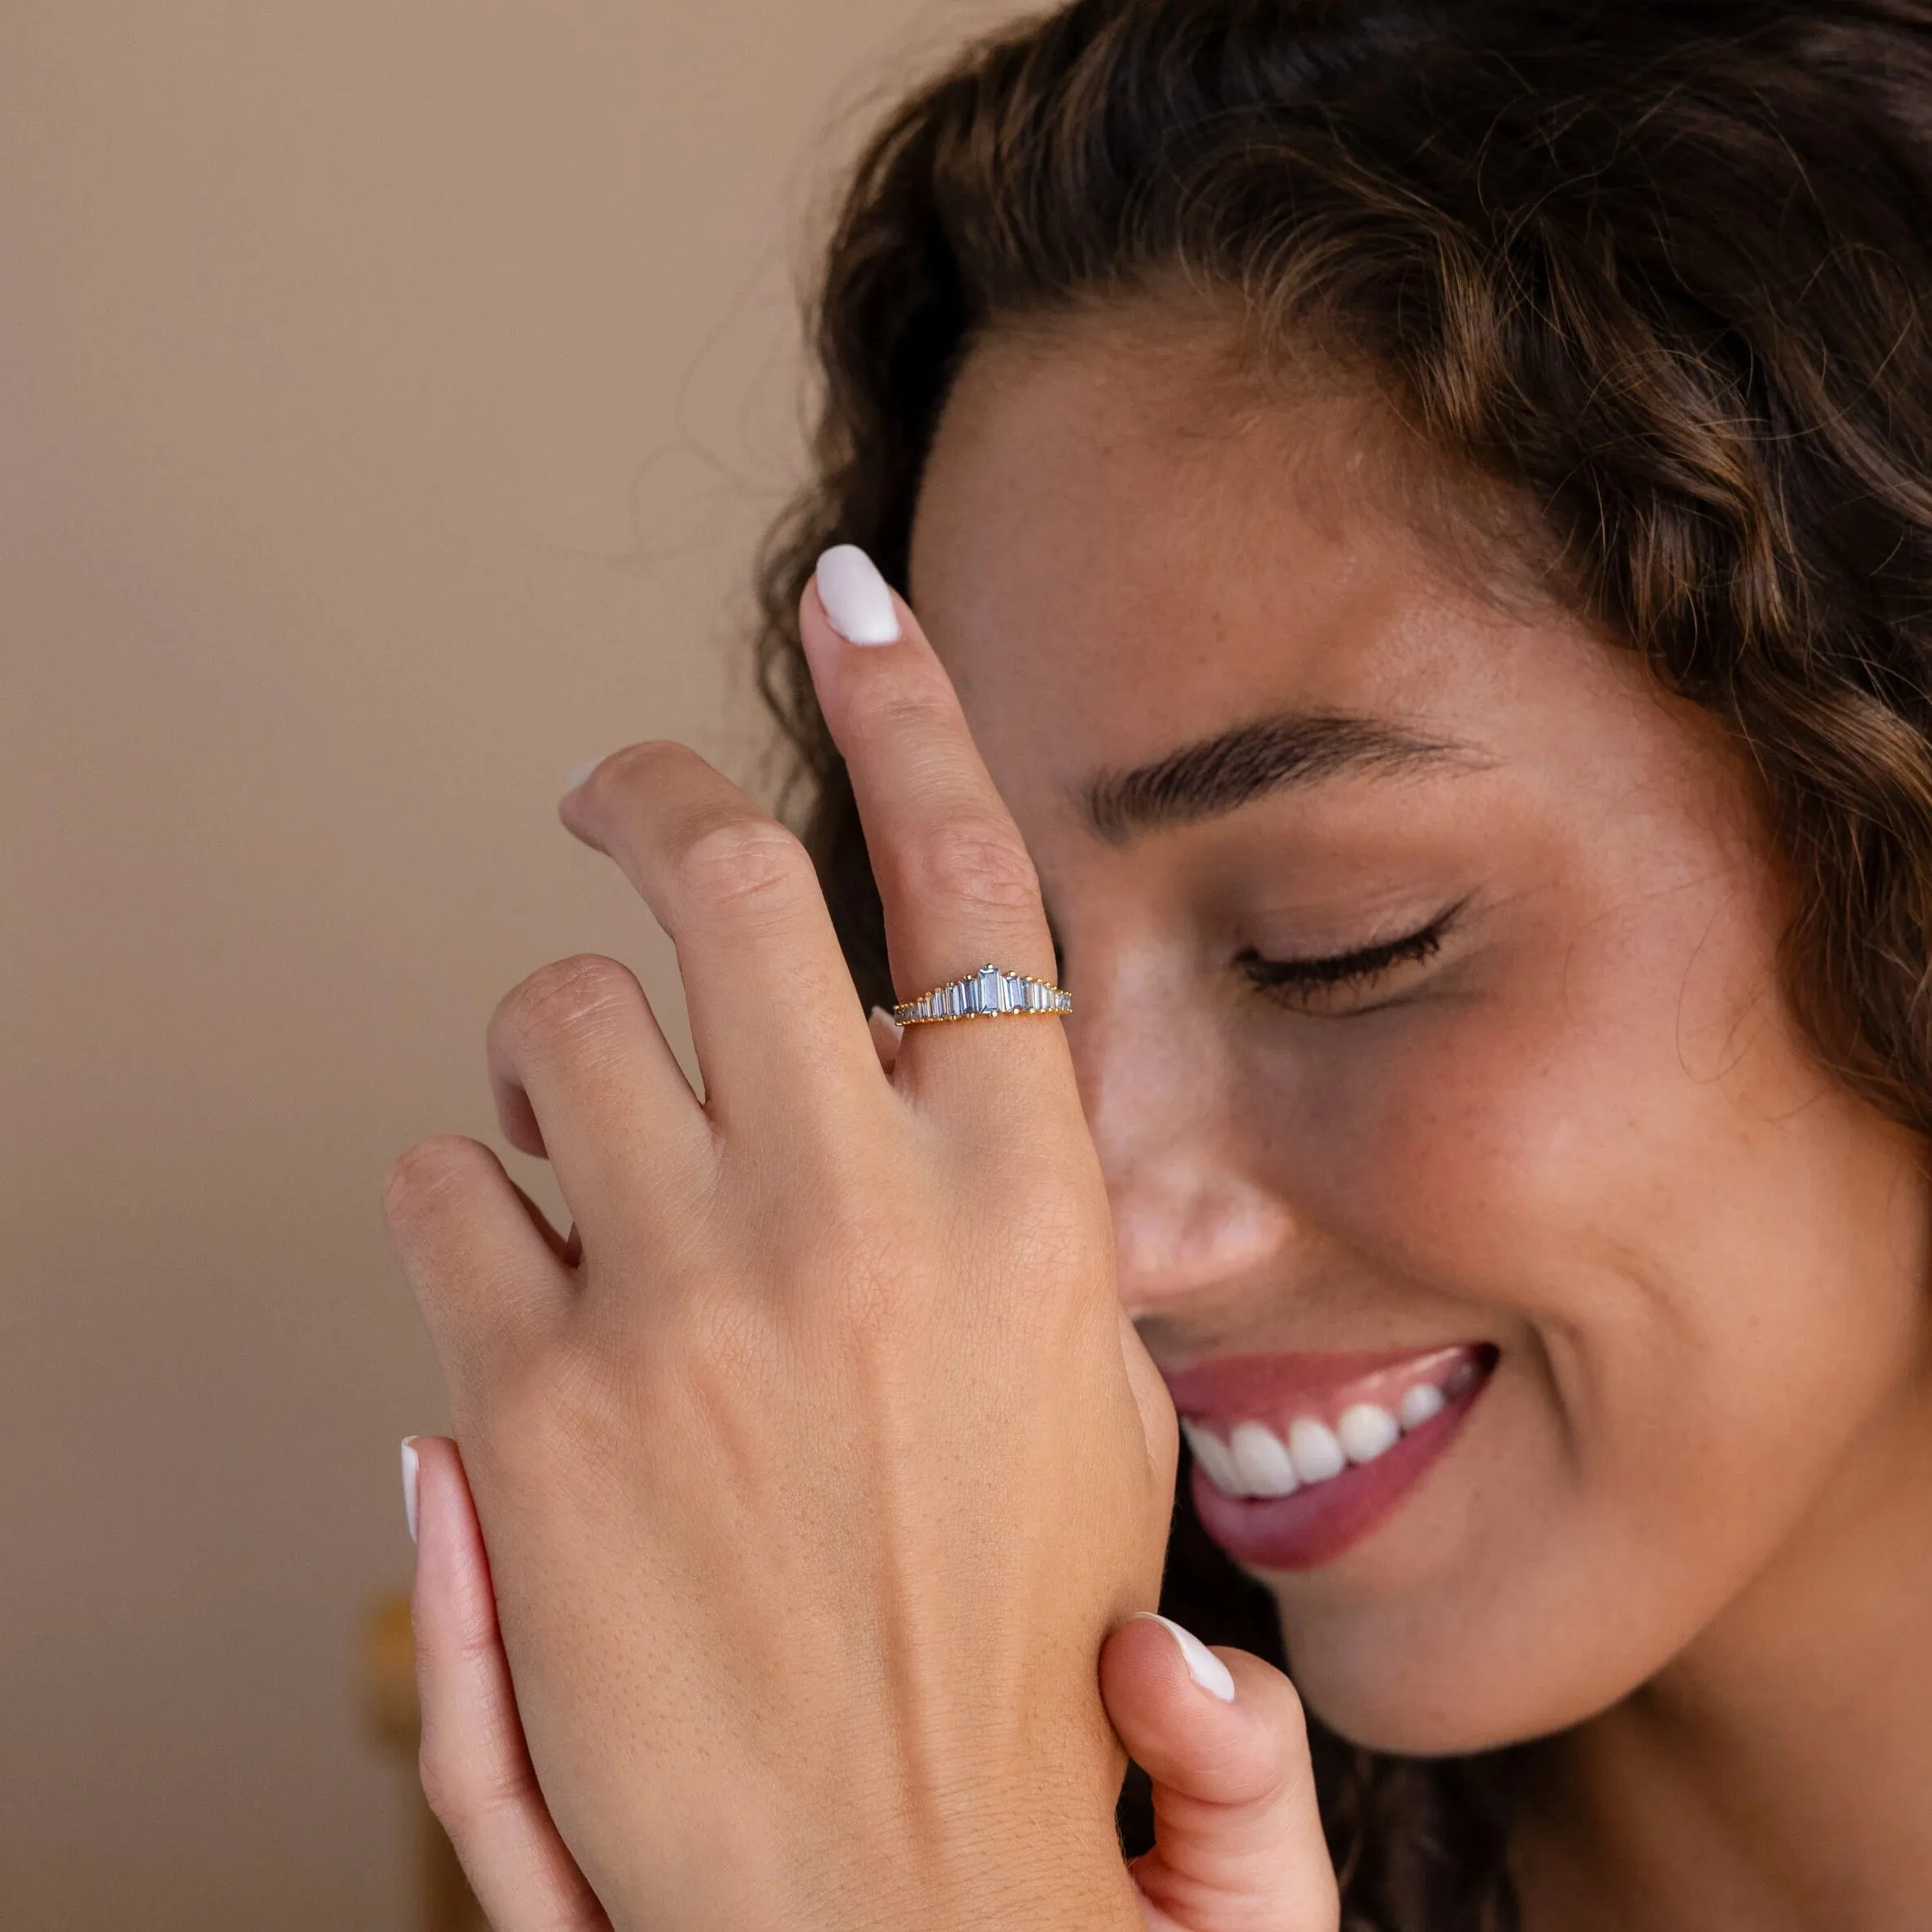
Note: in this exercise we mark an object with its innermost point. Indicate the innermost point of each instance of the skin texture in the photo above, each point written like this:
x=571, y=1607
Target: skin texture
x=1685, y=1524
x=744, y=1450
x=1240, y=1845
x=1681, y=1537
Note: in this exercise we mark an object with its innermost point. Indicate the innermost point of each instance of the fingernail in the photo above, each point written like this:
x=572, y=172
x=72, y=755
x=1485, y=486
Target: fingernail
x=577, y=777
x=879, y=1015
x=1206, y=1669
x=409, y=1483
x=856, y=597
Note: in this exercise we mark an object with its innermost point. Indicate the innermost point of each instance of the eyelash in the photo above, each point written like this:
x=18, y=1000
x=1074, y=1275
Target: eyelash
x=1343, y=971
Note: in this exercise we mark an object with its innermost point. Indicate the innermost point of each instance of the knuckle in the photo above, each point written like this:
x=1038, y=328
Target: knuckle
x=429, y=1174
x=443, y=1788
x=915, y=709
x=744, y=862
x=562, y=999
x=455, y=1642
x=465, y=1791
x=976, y=863
x=640, y=765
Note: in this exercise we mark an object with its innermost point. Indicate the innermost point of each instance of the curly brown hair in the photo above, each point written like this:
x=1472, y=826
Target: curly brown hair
x=1660, y=270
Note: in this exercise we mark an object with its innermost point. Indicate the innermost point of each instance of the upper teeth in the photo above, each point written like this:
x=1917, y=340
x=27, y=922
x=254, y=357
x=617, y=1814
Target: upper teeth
x=1421, y=1402
x=1255, y=1461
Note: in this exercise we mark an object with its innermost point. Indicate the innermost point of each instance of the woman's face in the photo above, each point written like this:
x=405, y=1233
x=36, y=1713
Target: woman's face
x=1426, y=1010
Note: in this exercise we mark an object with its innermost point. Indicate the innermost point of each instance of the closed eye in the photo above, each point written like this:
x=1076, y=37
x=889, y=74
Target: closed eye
x=1329, y=980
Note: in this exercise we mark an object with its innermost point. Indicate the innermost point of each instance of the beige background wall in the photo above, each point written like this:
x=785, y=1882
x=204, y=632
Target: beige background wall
x=390, y=391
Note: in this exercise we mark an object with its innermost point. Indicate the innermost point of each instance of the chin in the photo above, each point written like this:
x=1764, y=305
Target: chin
x=1442, y=1687
x=1410, y=1721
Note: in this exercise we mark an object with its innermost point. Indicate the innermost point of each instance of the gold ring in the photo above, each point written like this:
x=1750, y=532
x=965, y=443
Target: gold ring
x=991, y=993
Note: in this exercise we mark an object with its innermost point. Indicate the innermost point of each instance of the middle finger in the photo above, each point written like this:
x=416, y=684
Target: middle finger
x=773, y=1015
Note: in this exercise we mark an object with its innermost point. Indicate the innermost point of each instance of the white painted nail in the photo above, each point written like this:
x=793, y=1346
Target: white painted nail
x=856, y=597
x=410, y=1460
x=583, y=771
x=1206, y=1669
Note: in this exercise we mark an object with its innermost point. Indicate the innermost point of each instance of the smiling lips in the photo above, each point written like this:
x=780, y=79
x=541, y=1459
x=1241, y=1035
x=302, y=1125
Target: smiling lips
x=1298, y=1457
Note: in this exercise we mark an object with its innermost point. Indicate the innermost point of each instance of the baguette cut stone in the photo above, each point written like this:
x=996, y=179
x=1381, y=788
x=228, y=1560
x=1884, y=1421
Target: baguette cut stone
x=990, y=992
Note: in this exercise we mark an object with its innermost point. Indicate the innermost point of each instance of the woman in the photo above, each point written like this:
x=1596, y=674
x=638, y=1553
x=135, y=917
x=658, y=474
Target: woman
x=1424, y=509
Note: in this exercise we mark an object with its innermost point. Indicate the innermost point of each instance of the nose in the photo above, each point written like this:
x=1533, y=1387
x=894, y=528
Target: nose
x=1193, y=1217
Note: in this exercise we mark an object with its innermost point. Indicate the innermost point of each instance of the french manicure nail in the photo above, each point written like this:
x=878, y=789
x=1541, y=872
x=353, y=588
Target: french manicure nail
x=855, y=598
x=410, y=1460
x=1206, y=1669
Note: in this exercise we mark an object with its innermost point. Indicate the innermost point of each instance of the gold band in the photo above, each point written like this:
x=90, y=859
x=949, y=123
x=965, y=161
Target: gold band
x=991, y=993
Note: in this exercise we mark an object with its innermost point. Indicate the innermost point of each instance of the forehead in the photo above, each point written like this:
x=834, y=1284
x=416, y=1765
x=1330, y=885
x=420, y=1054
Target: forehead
x=1124, y=544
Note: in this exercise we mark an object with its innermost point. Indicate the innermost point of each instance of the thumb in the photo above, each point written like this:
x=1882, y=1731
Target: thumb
x=1238, y=1844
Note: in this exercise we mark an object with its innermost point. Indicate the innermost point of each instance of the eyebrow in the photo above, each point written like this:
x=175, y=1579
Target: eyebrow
x=1218, y=775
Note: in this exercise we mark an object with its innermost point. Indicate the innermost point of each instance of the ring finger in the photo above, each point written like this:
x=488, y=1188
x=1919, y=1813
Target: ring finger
x=955, y=880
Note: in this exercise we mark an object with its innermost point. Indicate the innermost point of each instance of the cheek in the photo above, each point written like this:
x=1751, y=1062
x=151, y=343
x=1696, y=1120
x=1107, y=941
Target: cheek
x=1701, y=1301
x=1478, y=1148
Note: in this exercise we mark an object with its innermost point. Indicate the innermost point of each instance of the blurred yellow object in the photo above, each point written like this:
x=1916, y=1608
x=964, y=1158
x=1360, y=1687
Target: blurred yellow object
x=388, y=1687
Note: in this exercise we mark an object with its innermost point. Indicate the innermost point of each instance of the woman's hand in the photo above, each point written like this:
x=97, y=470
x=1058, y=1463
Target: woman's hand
x=1239, y=1847
x=814, y=1485
x=475, y=1764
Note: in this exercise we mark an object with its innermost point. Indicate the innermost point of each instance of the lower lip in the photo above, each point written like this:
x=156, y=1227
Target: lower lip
x=1317, y=1524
